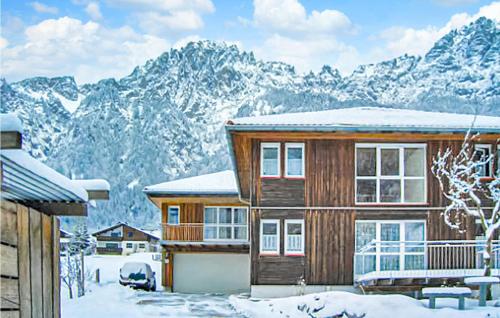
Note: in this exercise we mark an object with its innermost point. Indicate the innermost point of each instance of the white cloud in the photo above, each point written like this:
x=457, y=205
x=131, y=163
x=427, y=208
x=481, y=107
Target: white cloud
x=168, y=16
x=89, y=51
x=291, y=16
x=94, y=11
x=400, y=40
x=43, y=8
x=3, y=42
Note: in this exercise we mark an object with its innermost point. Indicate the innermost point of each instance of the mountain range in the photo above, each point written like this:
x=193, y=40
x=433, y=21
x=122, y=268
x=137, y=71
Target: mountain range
x=165, y=120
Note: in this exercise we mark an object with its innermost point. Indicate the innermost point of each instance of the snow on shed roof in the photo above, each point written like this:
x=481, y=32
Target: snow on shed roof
x=222, y=182
x=10, y=122
x=27, y=179
x=368, y=119
x=94, y=184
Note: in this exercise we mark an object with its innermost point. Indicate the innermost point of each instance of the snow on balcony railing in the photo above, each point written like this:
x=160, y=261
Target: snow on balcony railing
x=423, y=259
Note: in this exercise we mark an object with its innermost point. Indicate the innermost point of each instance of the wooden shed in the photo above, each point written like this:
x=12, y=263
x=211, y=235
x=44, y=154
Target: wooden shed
x=32, y=197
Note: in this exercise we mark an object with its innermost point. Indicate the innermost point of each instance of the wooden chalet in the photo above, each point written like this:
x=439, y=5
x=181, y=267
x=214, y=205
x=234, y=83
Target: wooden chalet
x=32, y=197
x=204, y=234
x=345, y=198
x=124, y=239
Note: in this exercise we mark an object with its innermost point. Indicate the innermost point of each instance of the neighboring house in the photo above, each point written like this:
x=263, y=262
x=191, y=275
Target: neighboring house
x=205, y=234
x=346, y=197
x=33, y=196
x=123, y=239
x=64, y=239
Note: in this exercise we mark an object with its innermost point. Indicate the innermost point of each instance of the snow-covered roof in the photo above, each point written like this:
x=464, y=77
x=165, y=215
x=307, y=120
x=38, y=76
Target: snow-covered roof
x=148, y=233
x=368, y=119
x=94, y=184
x=222, y=182
x=10, y=122
x=26, y=179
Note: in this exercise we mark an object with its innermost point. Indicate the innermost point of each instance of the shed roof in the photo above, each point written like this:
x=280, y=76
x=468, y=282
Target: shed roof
x=219, y=183
x=368, y=119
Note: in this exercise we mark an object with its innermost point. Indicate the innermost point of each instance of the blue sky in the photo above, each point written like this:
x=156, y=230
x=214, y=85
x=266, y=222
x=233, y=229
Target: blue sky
x=95, y=39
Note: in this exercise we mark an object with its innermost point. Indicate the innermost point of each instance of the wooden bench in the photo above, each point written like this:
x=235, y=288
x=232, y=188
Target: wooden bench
x=446, y=292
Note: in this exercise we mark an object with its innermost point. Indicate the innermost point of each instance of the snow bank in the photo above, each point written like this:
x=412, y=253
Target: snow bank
x=222, y=182
x=10, y=122
x=481, y=279
x=342, y=304
x=93, y=184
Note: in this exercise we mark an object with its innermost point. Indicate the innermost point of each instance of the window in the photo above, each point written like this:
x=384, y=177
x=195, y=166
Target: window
x=173, y=215
x=294, y=160
x=269, y=236
x=130, y=234
x=389, y=173
x=111, y=245
x=270, y=160
x=226, y=223
x=294, y=237
x=389, y=245
x=482, y=152
x=142, y=245
x=129, y=245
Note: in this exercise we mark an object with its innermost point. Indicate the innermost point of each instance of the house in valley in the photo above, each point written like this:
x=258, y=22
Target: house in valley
x=205, y=239
x=345, y=198
x=64, y=239
x=124, y=239
x=338, y=199
x=33, y=196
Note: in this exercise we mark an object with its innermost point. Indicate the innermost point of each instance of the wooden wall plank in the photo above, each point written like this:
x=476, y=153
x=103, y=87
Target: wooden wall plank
x=24, y=260
x=10, y=314
x=8, y=225
x=47, y=266
x=8, y=261
x=56, y=268
x=36, y=264
x=9, y=293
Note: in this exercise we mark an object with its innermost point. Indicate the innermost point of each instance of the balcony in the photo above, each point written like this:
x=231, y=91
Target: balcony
x=209, y=233
x=421, y=262
x=184, y=232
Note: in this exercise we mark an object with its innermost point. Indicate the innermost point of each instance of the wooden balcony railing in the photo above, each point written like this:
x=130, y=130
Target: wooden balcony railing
x=189, y=232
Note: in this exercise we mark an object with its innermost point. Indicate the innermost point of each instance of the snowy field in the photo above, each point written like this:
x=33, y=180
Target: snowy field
x=348, y=305
x=110, y=299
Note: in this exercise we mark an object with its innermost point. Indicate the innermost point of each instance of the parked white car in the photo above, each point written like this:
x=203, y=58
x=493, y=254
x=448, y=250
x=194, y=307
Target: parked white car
x=138, y=275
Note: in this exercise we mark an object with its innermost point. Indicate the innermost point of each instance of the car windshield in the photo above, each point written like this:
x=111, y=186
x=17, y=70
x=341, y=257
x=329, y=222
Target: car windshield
x=134, y=271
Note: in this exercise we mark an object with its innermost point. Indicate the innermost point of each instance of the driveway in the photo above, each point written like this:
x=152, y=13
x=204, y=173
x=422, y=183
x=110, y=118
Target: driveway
x=186, y=305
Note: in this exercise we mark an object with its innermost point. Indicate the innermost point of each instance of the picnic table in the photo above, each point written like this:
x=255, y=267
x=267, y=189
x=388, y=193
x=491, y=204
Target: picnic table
x=446, y=292
x=483, y=282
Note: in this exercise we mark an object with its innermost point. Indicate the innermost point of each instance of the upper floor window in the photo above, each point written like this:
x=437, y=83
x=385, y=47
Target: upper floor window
x=294, y=160
x=226, y=223
x=483, y=152
x=270, y=160
x=130, y=233
x=173, y=215
x=270, y=237
x=390, y=173
x=294, y=237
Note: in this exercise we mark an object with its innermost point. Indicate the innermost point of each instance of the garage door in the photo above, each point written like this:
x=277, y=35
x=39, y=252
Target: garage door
x=211, y=273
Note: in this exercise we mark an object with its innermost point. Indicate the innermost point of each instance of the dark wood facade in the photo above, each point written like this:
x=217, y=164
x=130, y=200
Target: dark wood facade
x=329, y=185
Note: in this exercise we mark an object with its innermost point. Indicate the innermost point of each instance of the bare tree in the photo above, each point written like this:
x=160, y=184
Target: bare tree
x=79, y=244
x=69, y=272
x=462, y=182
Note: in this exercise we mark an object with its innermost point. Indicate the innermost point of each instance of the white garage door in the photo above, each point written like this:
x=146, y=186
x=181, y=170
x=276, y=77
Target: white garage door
x=211, y=273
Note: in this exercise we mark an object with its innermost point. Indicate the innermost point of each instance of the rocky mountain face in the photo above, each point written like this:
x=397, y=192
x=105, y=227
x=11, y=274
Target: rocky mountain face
x=165, y=120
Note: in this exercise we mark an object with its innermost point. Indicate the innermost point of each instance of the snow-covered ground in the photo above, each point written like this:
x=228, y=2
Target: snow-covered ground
x=348, y=305
x=110, y=299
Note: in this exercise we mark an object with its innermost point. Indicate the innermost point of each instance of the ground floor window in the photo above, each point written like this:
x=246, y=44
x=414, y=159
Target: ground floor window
x=129, y=245
x=269, y=236
x=226, y=223
x=111, y=245
x=389, y=245
x=142, y=245
x=294, y=237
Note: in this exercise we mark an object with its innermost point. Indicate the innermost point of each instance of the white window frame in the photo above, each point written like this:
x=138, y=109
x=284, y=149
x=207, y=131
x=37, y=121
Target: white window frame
x=178, y=214
x=489, y=173
x=302, y=234
x=402, y=248
x=276, y=145
x=231, y=225
x=294, y=145
x=278, y=234
x=378, y=175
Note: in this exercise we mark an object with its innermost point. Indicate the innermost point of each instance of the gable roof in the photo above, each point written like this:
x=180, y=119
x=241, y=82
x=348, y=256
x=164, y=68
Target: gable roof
x=367, y=119
x=219, y=183
x=148, y=233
